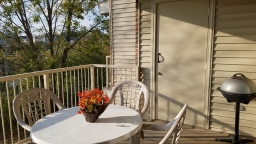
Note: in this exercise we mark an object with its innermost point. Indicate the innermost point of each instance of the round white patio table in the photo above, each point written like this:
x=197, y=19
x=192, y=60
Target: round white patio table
x=116, y=124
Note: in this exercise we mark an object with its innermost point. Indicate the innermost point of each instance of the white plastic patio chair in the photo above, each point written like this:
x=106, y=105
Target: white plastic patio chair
x=174, y=126
x=36, y=104
x=133, y=94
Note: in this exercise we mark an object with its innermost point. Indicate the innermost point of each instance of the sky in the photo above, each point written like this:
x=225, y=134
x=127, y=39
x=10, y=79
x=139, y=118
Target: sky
x=85, y=22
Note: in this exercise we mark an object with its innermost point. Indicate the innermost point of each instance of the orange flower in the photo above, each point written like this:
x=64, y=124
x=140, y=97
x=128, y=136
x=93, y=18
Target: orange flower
x=79, y=112
x=105, y=99
x=88, y=100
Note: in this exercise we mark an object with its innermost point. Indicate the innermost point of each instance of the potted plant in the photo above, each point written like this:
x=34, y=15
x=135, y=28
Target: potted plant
x=92, y=104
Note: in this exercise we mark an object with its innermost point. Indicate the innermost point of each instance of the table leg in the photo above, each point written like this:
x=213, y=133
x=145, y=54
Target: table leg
x=135, y=139
x=132, y=140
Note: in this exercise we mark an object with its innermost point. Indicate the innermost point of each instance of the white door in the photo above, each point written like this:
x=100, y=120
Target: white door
x=181, y=38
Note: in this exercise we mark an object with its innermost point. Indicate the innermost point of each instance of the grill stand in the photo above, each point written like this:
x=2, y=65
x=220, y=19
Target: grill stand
x=234, y=139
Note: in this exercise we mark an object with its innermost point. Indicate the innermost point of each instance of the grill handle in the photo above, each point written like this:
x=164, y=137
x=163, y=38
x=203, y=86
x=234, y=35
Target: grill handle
x=235, y=75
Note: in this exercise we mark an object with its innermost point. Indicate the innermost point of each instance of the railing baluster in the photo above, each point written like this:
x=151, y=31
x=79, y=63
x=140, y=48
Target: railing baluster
x=82, y=83
x=78, y=81
x=71, y=87
x=14, y=93
x=97, y=77
x=102, y=80
x=33, y=81
x=53, y=89
x=9, y=109
x=85, y=79
x=88, y=79
x=23, y=114
x=27, y=83
x=67, y=88
x=57, y=85
x=53, y=84
x=2, y=116
x=78, y=85
x=39, y=80
x=62, y=87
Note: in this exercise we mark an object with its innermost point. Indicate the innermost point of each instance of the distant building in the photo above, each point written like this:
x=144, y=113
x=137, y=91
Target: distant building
x=40, y=38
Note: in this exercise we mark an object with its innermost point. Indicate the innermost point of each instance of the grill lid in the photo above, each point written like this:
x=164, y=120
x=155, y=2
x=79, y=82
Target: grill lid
x=238, y=84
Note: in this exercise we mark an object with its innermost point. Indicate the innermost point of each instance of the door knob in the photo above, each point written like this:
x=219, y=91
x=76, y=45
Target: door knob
x=159, y=73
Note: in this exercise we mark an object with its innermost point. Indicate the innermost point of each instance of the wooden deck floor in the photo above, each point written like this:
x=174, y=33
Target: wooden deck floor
x=189, y=135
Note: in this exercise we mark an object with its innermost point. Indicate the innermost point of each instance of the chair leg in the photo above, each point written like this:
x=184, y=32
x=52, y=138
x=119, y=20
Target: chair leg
x=142, y=138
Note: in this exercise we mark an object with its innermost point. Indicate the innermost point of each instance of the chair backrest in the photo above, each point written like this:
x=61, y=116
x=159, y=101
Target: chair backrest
x=177, y=124
x=133, y=94
x=36, y=103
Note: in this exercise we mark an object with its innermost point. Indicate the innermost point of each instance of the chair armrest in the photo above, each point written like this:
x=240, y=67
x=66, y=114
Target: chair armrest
x=24, y=125
x=158, y=127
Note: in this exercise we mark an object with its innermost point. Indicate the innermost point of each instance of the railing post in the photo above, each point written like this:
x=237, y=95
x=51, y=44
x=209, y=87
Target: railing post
x=92, y=77
x=46, y=86
x=46, y=81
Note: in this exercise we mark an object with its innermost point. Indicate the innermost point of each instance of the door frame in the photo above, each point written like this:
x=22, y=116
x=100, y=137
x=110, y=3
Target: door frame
x=208, y=62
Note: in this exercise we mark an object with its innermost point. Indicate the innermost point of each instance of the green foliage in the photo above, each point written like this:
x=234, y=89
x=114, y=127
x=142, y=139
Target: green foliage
x=58, y=22
x=93, y=49
x=67, y=41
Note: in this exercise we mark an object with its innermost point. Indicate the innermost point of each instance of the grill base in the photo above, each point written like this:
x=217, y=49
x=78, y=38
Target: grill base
x=234, y=139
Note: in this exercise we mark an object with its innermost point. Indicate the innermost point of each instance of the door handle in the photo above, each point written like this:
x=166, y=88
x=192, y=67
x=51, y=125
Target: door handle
x=159, y=73
x=158, y=59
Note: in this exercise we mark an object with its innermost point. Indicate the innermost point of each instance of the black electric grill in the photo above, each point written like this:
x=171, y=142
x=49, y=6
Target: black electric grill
x=238, y=89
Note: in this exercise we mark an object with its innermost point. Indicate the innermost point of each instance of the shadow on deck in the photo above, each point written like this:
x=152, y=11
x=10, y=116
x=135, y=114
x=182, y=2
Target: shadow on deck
x=189, y=135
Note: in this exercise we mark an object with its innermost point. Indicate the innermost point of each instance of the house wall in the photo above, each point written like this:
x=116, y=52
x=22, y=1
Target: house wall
x=123, y=36
x=234, y=51
x=124, y=48
x=145, y=40
x=128, y=47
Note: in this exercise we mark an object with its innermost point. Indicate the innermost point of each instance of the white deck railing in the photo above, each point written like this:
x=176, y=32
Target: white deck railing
x=65, y=82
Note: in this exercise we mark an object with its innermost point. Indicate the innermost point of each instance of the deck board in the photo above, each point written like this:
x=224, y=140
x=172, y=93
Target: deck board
x=189, y=135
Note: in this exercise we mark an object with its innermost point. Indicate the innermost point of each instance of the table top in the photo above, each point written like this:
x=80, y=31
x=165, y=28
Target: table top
x=116, y=124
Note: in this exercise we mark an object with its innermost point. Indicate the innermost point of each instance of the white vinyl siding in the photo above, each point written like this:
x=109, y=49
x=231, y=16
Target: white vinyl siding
x=124, y=49
x=145, y=60
x=234, y=52
x=127, y=46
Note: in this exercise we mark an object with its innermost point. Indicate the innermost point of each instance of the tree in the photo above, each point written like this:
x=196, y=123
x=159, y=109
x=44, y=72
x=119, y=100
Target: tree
x=93, y=49
x=56, y=20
